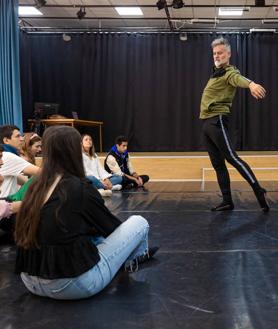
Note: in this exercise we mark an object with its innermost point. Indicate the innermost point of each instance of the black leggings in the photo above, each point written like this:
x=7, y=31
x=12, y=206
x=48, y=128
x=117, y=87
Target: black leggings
x=220, y=148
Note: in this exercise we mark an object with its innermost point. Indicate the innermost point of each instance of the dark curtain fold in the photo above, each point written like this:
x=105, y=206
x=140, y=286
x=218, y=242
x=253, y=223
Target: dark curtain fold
x=261, y=117
x=148, y=86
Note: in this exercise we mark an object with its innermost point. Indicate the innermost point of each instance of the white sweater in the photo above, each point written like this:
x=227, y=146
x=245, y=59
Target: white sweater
x=93, y=167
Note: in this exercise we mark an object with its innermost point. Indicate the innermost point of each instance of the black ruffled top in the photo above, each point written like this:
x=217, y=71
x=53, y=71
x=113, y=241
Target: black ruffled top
x=73, y=214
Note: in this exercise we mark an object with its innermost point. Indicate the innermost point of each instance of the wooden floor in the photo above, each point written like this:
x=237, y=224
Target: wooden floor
x=197, y=167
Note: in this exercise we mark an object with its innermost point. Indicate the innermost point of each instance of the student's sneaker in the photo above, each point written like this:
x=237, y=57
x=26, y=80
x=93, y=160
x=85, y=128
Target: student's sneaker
x=133, y=265
x=105, y=193
x=117, y=187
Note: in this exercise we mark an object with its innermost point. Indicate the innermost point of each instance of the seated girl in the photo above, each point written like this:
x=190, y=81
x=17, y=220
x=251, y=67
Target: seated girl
x=94, y=170
x=69, y=245
x=31, y=147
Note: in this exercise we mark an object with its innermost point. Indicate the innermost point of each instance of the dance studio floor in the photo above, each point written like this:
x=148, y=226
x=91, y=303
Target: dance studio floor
x=213, y=270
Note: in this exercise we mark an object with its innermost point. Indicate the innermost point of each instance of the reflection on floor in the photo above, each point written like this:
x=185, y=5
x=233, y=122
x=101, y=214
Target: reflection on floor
x=213, y=271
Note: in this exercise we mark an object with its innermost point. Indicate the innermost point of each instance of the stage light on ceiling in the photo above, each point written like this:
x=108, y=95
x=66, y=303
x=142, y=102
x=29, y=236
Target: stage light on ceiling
x=81, y=13
x=40, y=3
x=259, y=3
x=177, y=4
x=161, y=4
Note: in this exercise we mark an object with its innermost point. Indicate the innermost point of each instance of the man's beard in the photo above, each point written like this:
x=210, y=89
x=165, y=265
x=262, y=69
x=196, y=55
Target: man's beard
x=217, y=63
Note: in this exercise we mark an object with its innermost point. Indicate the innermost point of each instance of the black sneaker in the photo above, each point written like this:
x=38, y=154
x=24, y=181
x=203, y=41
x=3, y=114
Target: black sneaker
x=146, y=257
x=223, y=206
x=260, y=195
x=133, y=266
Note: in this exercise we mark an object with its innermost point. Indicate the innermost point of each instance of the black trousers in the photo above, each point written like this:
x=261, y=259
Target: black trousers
x=220, y=148
x=127, y=181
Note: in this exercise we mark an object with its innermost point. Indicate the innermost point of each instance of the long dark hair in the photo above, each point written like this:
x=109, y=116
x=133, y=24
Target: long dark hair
x=61, y=156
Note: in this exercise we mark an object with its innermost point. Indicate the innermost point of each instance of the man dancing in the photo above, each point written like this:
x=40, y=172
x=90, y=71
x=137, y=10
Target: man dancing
x=216, y=103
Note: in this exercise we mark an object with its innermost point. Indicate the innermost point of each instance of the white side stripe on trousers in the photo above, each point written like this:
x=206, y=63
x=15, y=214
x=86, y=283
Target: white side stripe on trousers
x=231, y=152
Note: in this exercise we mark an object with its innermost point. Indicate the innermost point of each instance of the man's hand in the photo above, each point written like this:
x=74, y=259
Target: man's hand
x=257, y=90
x=140, y=181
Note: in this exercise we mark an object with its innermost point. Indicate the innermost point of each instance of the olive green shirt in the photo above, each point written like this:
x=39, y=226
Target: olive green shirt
x=220, y=91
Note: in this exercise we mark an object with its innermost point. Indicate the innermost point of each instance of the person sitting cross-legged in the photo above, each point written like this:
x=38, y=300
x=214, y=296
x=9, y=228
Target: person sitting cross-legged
x=118, y=162
x=69, y=245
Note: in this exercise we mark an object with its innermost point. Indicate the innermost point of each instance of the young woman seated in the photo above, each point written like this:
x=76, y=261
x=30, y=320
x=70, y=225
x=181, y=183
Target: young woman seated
x=94, y=170
x=31, y=147
x=69, y=245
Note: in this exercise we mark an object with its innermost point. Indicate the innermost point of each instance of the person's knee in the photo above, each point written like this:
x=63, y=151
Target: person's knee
x=139, y=220
x=218, y=165
x=233, y=160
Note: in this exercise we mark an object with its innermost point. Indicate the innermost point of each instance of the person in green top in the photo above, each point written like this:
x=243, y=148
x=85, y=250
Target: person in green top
x=19, y=195
x=215, y=107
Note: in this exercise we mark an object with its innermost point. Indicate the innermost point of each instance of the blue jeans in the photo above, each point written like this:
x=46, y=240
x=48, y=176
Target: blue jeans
x=127, y=242
x=114, y=179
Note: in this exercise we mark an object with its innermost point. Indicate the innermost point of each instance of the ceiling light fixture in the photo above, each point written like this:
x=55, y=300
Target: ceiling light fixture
x=28, y=11
x=231, y=11
x=177, y=4
x=204, y=20
x=161, y=4
x=81, y=13
x=262, y=30
x=129, y=11
x=270, y=21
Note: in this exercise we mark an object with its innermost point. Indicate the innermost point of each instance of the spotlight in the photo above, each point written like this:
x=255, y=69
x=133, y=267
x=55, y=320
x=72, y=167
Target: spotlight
x=259, y=3
x=161, y=4
x=177, y=4
x=81, y=13
x=40, y=3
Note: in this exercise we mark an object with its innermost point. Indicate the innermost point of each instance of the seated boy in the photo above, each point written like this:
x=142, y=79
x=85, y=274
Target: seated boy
x=118, y=162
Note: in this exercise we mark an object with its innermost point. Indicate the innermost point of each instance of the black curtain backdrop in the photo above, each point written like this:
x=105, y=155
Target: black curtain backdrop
x=148, y=86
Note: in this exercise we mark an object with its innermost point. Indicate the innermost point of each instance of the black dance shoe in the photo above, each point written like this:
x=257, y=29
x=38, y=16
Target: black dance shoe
x=223, y=206
x=260, y=195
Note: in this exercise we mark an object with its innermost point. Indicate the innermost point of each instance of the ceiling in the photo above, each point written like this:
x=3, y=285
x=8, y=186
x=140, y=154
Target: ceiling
x=196, y=15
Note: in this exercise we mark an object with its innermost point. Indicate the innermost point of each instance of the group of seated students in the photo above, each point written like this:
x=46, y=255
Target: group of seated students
x=118, y=171
x=69, y=245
